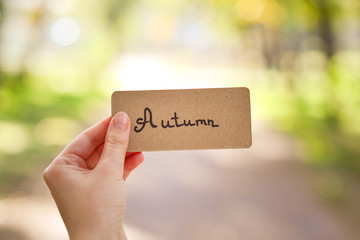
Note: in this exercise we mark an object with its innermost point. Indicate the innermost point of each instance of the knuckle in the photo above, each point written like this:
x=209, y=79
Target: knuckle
x=116, y=141
x=50, y=173
x=46, y=174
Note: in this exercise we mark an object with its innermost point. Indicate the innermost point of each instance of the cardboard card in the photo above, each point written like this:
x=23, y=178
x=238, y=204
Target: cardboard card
x=190, y=119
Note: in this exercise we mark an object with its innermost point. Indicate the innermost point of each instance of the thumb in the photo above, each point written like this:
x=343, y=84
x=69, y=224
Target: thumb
x=116, y=143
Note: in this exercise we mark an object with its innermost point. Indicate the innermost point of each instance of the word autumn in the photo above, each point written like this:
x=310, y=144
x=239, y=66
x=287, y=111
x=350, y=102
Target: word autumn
x=174, y=122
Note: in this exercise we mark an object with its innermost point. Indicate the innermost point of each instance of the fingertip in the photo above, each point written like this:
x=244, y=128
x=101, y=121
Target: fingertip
x=121, y=121
x=106, y=121
x=133, y=161
x=141, y=154
x=140, y=157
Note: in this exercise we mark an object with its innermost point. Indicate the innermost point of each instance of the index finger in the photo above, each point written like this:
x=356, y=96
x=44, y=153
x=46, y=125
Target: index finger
x=85, y=144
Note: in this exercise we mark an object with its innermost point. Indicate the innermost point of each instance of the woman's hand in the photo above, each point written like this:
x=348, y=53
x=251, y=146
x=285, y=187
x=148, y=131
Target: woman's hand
x=87, y=180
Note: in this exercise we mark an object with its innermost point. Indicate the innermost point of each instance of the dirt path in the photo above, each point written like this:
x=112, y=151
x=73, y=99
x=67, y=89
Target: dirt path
x=263, y=193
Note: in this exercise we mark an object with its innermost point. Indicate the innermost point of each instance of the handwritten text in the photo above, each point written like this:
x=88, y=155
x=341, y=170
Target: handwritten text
x=173, y=122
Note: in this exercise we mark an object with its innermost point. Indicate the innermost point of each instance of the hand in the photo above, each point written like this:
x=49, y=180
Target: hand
x=86, y=180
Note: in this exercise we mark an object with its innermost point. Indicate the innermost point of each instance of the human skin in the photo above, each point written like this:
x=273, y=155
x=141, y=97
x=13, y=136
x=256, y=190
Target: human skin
x=87, y=178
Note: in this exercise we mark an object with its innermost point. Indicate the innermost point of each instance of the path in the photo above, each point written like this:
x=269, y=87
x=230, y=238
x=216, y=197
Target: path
x=263, y=193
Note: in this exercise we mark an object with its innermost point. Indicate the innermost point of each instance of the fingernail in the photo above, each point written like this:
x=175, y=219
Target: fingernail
x=121, y=121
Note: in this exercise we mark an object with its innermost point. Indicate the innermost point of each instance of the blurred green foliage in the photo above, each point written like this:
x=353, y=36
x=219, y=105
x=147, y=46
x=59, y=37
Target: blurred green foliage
x=24, y=107
x=318, y=99
x=322, y=114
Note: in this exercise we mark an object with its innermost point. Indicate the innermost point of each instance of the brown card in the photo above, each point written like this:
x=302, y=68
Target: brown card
x=186, y=119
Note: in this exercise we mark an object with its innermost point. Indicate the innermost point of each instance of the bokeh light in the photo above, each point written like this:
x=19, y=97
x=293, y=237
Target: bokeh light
x=13, y=138
x=65, y=31
x=56, y=131
x=250, y=10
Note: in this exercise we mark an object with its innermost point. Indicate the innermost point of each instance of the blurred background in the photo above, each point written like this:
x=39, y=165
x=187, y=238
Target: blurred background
x=60, y=60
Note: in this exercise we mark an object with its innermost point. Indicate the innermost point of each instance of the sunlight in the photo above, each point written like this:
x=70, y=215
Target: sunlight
x=143, y=73
x=161, y=71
